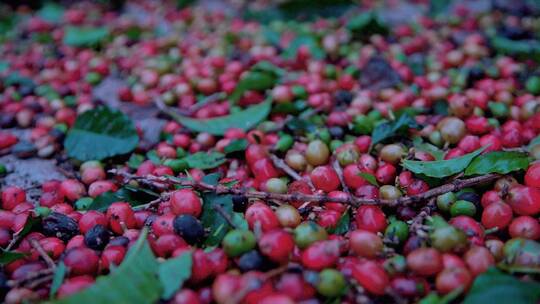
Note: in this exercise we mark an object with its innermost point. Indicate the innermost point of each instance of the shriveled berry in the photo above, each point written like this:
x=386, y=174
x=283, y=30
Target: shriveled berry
x=97, y=237
x=189, y=228
x=60, y=226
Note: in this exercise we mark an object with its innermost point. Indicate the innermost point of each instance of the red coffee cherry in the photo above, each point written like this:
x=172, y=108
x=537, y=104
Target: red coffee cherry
x=260, y=214
x=497, y=215
x=524, y=200
x=451, y=279
x=325, y=178
x=81, y=261
x=371, y=276
x=277, y=245
x=532, y=177
x=120, y=216
x=12, y=196
x=425, y=261
x=370, y=218
x=525, y=227
x=186, y=201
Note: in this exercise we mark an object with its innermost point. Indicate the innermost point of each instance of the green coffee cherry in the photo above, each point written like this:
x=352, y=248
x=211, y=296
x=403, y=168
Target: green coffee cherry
x=362, y=125
x=462, y=207
x=236, y=242
x=444, y=201
x=448, y=238
x=397, y=229
x=284, y=143
x=499, y=109
x=83, y=203
x=395, y=264
x=308, y=233
x=276, y=185
x=331, y=283
x=533, y=85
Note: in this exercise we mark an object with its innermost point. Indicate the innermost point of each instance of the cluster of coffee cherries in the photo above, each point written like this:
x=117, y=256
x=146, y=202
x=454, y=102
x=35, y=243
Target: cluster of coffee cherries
x=322, y=138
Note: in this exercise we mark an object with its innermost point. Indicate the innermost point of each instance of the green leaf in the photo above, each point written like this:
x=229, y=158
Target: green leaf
x=85, y=36
x=4, y=66
x=239, y=221
x=253, y=81
x=387, y=130
x=7, y=257
x=133, y=282
x=441, y=168
x=236, y=146
x=496, y=287
x=203, y=160
x=51, y=12
x=428, y=148
x=245, y=119
x=173, y=273
x=132, y=195
x=153, y=157
x=212, y=178
x=521, y=48
x=308, y=41
x=370, y=178
x=58, y=278
x=101, y=133
x=343, y=224
x=498, y=162
x=212, y=220
x=135, y=160
x=439, y=7
x=367, y=24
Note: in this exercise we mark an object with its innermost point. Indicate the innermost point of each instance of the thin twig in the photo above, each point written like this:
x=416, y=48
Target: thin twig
x=455, y=185
x=337, y=168
x=43, y=254
x=279, y=163
x=225, y=216
x=175, y=113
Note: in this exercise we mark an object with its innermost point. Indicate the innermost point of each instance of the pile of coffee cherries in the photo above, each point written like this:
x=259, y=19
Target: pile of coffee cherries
x=322, y=138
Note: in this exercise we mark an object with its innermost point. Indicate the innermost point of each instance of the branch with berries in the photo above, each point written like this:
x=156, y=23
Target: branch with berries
x=165, y=182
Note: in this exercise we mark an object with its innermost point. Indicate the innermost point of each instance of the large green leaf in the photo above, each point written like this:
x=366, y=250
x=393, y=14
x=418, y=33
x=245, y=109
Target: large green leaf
x=203, y=160
x=390, y=129
x=132, y=195
x=245, y=120
x=173, y=273
x=342, y=225
x=441, y=168
x=498, y=162
x=212, y=219
x=85, y=36
x=134, y=281
x=101, y=133
x=496, y=287
x=254, y=80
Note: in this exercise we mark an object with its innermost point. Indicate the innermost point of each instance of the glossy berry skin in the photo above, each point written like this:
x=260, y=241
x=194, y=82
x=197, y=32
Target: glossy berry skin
x=260, y=214
x=166, y=244
x=524, y=200
x=112, y=255
x=163, y=224
x=91, y=218
x=120, y=215
x=189, y=228
x=53, y=246
x=370, y=218
x=325, y=178
x=72, y=189
x=74, y=285
x=371, y=276
x=352, y=178
x=425, y=261
x=277, y=245
x=365, y=243
x=452, y=278
x=186, y=201
x=478, y=259
x=321, y=254
x=525, y=227
x=532, y=177
x=12, y=196
x=496, y=215
x=81, y=261
x=186, y=296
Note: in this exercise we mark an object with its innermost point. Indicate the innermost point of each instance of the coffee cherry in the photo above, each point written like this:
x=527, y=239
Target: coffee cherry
x=452, y=129
x=532, y=177
x=74, y=285
x=497, y=215
x=252, y=260
x=81, y=261
x=370, y=218
x=186, y=201
x=425, y=261
x=525, y=227
x=307, y=233
x=462, y=207
x=331, y=283
x=366, y=243
x=325, y=178
x=260, y=214
x=445, y=201
x=288, y=216
x=371, y=276
x=452, y=278
x=276, y=185
x=97, y=237
x=236, y=242
x=448, y=238
x=317, y=153
x=277, y=245
x=392, y=153
x=120, y=216
x=524, y=200
x=189, y=228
